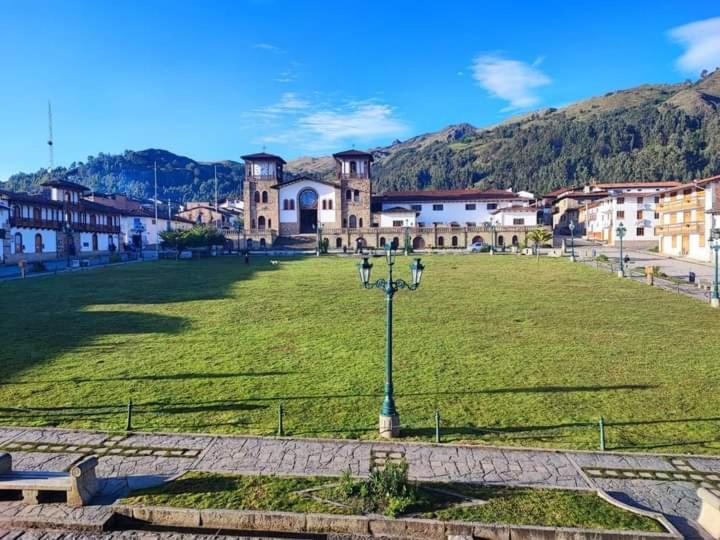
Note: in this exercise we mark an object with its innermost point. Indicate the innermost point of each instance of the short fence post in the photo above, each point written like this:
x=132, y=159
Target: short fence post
x=280, y=431
x=128, y=423
x=601, y=426
x=437, y=426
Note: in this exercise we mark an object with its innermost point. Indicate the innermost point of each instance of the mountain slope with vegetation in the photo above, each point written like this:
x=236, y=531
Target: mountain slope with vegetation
x=180, y=179
x=650, y=132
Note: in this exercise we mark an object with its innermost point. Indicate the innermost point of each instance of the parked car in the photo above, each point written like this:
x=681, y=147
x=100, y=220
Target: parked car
x=476, y=247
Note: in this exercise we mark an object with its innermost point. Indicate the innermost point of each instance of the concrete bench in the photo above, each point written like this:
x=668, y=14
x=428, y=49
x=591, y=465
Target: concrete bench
x=709, y=511
x=80, y=484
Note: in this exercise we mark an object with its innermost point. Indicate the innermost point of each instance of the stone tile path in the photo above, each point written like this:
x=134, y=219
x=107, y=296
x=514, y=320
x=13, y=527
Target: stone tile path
x=665, y=484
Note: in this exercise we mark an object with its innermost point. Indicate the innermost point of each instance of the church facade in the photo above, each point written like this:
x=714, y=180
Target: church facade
x=347, y=212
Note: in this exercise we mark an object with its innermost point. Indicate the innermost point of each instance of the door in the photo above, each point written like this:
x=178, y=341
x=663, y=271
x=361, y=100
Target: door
x=38, y=243
x=685, y=245
x=308, y=208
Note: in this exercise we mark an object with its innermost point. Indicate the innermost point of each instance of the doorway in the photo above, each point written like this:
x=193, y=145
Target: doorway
x=308, y=208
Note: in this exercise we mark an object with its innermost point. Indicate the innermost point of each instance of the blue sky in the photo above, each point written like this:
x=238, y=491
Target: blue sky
x=214, y=80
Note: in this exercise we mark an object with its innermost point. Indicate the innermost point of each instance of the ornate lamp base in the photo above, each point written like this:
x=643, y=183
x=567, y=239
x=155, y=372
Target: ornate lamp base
x=715, y=302
x=620, y=273
x=390, y=426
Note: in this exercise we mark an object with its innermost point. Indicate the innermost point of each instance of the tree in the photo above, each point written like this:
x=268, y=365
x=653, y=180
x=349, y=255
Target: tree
x=539, y=237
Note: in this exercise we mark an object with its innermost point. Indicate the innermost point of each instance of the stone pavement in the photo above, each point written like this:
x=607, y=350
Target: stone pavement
x=665, y=484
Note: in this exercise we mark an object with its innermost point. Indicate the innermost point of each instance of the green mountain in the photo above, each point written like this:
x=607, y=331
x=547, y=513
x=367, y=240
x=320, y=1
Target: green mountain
x=651, y=132
x=180, y=178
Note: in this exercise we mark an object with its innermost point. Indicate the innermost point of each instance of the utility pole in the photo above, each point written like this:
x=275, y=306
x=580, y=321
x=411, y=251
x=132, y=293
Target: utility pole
x=50, y=137
x=217, y=221
x=157, y=225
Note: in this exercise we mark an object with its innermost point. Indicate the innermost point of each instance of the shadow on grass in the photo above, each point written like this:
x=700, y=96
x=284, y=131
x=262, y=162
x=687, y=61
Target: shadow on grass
x=52, y=316
x=159, y=377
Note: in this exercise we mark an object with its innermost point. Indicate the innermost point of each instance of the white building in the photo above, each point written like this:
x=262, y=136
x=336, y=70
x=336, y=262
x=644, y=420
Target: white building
x=466, y=207
x=140, y=229
x=634, y=204
x=513, y=216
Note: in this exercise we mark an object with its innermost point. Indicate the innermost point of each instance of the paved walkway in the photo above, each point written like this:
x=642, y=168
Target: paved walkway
x=665, y=484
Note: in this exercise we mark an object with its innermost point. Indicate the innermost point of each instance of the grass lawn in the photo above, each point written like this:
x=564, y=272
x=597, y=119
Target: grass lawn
x=518, y=506
x=510, y=350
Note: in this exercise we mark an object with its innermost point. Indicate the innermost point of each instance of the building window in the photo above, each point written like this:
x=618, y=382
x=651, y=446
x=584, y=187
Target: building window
x=514, y=240
x=93, y=219
x=38, y=243
x=356, y=195
x=518, y=221
x=360, y=223
x=441, y=241
x=639, y=200
x=269, y=223
x=261, y=223
x=639, y=214
x=640, y=231
x=18, y=243
x=382, y=241
x=657, y=200
x=437, y=207
x=492, y=206
x=286, y=204
x=94, y=242
x=621, y=200
x=501, y=240
x=454, y=241
x=330, y=204
x=397, y=223
x=620, y=214
x=471, y=224
x=264, y=196
x=257, y=196
x=338, y=242
x=470, y=206
x=348, y=195
x=352, y=220
x=36, y=214
x=262, y=243
x=292, y=204
x=416, y=207
x=395, y=242
x=324, y=204
x=657, y=215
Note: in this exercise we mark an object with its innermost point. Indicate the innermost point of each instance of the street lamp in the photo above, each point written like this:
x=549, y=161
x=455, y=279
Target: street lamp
x=318, y=231
x=389, y=417
x=493, y=228
x=407, y=237
x=715, y=245
x=572, y=241
x=620, y=232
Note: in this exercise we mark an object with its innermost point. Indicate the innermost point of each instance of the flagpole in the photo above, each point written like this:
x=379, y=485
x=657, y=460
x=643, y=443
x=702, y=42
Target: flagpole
x=157, y=225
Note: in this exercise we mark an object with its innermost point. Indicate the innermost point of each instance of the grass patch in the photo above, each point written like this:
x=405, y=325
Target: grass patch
x=519, y=506
x=511, y=351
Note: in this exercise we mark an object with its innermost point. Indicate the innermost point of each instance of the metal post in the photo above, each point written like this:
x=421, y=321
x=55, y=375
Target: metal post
x=388, y=405
x=715, y=300
x=437, y=426
x=572, y=244
x=128, y=423
x=622, y=264
x=601, y=426
x=281, y=430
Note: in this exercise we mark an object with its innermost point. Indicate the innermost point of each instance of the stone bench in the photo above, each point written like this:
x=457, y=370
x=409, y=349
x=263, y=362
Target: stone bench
x=80, y=484
x=710, y=511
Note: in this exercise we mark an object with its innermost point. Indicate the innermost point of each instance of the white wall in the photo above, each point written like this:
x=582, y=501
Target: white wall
x=86, y=242
x=606, y=218
x=455, y=211
x=292, y=191
x=407, y=218
x=507, y=219
x=49, y=238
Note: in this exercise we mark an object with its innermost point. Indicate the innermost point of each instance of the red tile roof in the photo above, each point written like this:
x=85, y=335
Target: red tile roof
x=262, y=155
x=448, y=195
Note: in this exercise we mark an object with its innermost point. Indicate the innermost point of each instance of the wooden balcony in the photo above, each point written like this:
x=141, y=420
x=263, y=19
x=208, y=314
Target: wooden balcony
x=690, y=227
x=32, y=223
x=684, y=203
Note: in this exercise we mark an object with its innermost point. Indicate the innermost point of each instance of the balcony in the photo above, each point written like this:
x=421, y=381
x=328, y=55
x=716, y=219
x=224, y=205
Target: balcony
x=691, y=227
x=33, y=223
x=261, y=177
x=353, y=176
x=685, y=203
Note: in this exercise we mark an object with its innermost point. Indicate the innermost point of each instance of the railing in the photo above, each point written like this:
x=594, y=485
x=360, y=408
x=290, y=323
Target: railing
x=58, y=225
x=686, y=203
x=398, y=231
x=360, y=176
x=676, y=228
x=261, y=176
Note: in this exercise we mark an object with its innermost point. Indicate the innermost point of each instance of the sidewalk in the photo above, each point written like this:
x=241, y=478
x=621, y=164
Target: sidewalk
x=665, y=484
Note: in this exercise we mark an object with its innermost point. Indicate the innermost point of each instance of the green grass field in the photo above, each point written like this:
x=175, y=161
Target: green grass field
x=510, y=350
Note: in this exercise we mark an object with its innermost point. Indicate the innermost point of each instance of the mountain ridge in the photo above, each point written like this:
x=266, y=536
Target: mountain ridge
x=648, y=132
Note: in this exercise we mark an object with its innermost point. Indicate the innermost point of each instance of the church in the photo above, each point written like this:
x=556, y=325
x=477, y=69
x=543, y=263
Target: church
x=347, y=212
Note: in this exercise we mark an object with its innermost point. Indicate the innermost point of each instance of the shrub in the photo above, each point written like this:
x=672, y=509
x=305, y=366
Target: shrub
x=602, y=258
x=389, y=489
x=115, y=258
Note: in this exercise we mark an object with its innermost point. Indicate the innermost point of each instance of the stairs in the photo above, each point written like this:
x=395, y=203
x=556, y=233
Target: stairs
x=302, y=242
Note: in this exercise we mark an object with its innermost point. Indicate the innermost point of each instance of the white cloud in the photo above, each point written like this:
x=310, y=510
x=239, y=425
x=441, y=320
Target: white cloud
x=319, y=126
x=268, y=47
x=701, y=40
x=511, y=80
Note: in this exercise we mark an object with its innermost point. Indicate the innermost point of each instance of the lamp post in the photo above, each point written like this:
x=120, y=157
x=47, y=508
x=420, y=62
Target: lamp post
x=715, y=245
x=493, y=228
x=407, y=237
x=389, y=417
x=318, y=249
x=620, y=232
x=572, y=241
